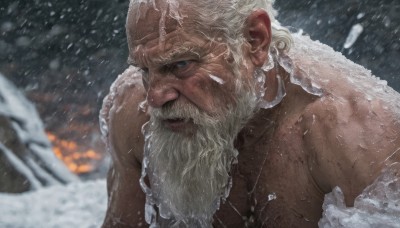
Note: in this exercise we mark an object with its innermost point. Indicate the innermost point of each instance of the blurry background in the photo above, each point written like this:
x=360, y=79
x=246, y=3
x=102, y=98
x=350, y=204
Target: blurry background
x=64, y=55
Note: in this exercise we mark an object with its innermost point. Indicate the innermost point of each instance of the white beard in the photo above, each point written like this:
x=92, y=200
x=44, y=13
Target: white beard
x=190, y=174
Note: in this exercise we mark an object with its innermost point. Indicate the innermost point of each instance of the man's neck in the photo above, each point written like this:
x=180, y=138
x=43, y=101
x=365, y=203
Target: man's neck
x=263, y=119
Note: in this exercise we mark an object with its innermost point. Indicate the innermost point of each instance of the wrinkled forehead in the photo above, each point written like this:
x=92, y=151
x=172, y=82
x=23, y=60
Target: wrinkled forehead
x=148, y=20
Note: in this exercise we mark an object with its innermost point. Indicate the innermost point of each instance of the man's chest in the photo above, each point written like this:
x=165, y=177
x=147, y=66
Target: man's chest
x=272, y=188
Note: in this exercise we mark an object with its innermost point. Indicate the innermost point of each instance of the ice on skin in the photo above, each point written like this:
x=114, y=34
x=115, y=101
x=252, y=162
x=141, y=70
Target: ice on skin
x=377, y=206
x=135, y=77
x=168, y=8
x=217, y=79
x=360, y=79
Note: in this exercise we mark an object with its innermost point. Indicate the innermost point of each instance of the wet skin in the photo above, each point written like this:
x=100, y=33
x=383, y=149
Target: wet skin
x=297, y=151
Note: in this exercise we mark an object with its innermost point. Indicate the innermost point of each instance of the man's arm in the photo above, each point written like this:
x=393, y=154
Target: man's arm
x=125, y=199
x=125, y=142
x=351, y=140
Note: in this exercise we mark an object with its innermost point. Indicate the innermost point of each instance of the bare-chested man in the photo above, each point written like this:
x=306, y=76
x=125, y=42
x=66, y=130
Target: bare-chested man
x=226, y=120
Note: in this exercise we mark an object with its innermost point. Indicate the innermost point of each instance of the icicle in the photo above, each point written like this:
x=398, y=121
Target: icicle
x=299, y=77
x=278, y=98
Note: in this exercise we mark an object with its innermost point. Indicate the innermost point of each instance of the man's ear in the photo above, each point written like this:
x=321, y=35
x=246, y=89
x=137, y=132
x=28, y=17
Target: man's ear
x=258, y=35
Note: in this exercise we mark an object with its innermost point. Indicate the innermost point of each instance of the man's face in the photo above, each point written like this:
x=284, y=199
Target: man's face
x=183, y=68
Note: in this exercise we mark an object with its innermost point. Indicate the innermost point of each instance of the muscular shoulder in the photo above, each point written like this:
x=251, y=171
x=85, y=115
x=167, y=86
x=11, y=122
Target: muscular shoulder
x=350, y=139
x=122, y=118
x=352, y=131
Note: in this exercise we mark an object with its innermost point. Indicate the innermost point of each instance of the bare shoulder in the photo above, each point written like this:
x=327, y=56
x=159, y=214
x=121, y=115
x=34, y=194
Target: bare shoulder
x=351, y=135
x=122, y=118
x=352, y=132
x=121, y=121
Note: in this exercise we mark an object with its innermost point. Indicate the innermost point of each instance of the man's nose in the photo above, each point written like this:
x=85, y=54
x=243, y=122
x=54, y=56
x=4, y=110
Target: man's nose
x=160, y=92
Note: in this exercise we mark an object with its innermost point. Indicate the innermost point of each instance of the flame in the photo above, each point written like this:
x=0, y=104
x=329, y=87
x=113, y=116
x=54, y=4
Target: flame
x=77, y=160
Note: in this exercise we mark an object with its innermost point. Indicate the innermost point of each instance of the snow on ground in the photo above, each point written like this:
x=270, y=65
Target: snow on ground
x=76, y=205
x=83, y=205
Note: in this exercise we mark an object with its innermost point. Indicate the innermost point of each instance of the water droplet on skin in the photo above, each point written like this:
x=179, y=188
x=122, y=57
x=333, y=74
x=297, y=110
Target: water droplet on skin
x=143, y=106
x=272, y=196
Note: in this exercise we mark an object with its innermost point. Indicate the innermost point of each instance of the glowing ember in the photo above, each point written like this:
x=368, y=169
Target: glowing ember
x=77, y=160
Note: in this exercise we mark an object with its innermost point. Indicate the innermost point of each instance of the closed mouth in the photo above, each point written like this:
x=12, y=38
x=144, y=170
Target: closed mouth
x=176, y=120
x=177, y=124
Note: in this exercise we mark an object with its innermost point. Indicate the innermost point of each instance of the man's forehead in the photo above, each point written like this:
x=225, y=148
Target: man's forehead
x=162, y=37
x=148, y=21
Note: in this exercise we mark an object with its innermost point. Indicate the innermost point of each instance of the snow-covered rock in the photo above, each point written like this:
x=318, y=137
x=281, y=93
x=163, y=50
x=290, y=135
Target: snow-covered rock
x=26, y=158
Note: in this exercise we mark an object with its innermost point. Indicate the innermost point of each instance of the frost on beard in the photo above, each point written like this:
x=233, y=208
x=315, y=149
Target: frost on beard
x=377, y=206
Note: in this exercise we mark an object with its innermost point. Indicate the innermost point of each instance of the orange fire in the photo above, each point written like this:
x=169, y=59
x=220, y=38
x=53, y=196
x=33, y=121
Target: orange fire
x=77, y=160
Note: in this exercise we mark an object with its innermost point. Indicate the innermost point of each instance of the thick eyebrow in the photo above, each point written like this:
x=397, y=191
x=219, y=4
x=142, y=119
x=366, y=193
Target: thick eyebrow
x=173, y=55
x=176, y=54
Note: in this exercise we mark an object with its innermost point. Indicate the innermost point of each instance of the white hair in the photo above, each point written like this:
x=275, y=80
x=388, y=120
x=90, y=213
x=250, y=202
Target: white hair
x=226, y=17
x=229, y=17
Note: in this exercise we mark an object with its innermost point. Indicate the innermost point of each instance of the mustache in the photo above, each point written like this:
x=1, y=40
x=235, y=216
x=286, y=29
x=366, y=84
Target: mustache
x=176, y=110
x=185, y=111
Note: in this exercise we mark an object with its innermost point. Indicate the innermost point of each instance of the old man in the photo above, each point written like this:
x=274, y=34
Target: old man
x=225, y=119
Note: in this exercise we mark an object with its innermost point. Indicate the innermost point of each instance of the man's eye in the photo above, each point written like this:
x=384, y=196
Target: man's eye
x=182, y=64
x=181, y=69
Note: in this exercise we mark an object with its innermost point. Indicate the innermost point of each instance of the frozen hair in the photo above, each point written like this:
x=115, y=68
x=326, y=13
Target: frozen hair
x=227, y=17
